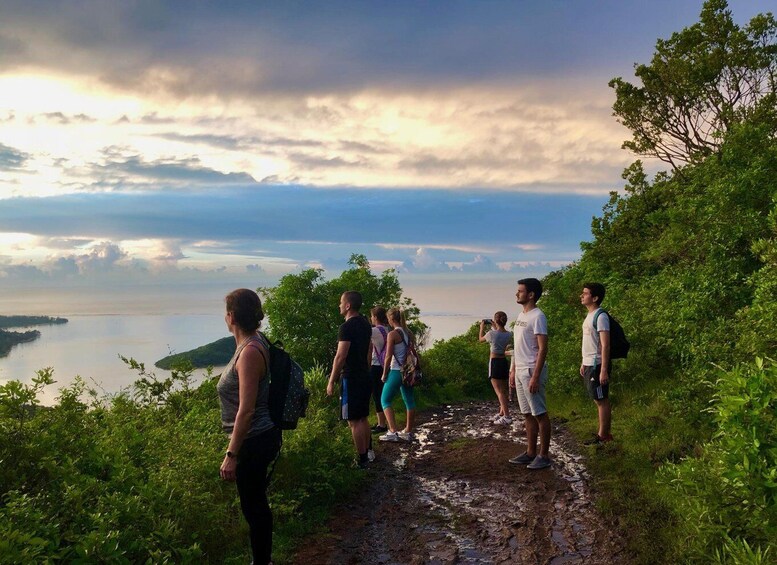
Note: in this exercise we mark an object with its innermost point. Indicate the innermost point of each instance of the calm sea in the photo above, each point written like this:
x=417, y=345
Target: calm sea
x=149, y=323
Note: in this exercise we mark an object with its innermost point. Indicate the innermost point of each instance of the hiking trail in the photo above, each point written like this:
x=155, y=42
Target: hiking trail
x=451, y=496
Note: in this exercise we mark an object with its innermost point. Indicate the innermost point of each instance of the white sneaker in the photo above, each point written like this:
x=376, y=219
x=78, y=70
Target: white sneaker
x=497, y=419
x=370, y=455
x=406, y=436
x=389, y=436
x=507, y=420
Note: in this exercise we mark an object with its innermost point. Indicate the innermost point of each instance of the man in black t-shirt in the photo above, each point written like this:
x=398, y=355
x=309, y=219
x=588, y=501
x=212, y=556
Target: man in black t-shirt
x=353, y=342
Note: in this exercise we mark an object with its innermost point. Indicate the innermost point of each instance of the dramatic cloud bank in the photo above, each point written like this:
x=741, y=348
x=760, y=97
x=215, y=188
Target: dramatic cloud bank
x=173, y=138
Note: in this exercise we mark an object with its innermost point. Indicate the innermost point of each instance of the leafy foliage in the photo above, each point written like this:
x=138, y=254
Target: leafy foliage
x=134, y=478
x=303, y=308
x=701, y=82
x=729, y=494
x=459, y=363
x=688, y=259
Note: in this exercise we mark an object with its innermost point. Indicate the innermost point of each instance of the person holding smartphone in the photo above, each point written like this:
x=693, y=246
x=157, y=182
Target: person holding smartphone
x=498, y=367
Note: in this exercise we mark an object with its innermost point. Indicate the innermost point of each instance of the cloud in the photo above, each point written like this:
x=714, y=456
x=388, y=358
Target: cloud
x=480, y=264
x=350, y=217
x=170, y=252
x=63, y=119
x=424, y=261
x=249, y=47
x=12, y=159
x=236, y=142
x=102, y=257
x=178, y=171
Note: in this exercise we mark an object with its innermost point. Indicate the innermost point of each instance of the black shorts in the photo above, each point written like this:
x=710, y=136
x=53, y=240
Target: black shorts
x=355, y=399
x=499, y=369
x=376, y=376
x=596, y=390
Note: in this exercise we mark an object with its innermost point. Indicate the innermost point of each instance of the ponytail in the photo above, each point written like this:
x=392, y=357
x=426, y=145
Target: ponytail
x=397, y=315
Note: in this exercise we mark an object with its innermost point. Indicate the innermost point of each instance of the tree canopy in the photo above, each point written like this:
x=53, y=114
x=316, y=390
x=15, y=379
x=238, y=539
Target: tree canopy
x=701, y=82
x=303, y=309
x=688, y=259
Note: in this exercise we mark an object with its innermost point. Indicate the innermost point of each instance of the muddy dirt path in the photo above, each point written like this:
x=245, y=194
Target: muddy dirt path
x=452, y=497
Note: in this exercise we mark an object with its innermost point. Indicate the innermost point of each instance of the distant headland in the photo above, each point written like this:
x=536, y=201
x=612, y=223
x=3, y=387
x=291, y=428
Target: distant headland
x=213, y=354
x=8, y=338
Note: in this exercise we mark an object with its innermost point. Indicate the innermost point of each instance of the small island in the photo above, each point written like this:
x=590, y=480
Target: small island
x=8, y=339
x=216, y=353
x=26, y=321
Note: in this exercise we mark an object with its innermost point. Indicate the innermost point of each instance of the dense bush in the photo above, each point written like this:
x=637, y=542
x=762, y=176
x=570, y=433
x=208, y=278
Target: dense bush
x=134, y=478
x=688, y=259
x=303, y=308
x=457, y=366
x=729, y=493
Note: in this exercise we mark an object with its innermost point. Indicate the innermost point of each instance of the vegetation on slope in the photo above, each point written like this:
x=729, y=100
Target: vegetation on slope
x=688, y=259
x=213, y=354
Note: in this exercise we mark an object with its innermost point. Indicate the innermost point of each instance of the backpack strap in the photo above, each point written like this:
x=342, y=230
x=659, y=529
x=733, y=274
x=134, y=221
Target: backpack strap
x=596, y=317
x=265, y=345
x=381, y=355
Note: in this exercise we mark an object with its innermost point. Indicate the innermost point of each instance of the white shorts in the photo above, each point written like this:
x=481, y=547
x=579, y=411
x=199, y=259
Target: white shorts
x=529, y=403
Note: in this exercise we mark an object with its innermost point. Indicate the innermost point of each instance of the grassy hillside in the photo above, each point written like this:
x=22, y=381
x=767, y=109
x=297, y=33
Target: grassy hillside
x=213, y=354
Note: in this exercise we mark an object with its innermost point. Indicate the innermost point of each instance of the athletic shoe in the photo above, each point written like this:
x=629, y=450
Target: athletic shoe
x=496, y=417
x=406, y=436
x=522, y=459
x=378, y=429
x=507, y=420
x=389, y=436
x=539, y=462
x=370, y=455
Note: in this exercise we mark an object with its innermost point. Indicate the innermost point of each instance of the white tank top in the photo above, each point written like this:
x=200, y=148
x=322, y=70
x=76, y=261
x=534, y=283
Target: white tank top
x=400, y=350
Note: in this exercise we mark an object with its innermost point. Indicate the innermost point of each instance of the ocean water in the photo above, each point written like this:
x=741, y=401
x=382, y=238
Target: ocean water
x=150, y=323
x=89, y=346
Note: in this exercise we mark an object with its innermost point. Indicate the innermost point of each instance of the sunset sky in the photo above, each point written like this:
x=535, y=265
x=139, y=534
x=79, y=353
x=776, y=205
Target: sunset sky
x=189, y=139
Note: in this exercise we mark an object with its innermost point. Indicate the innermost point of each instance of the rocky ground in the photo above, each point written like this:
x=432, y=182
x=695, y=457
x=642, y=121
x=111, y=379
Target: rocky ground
x=452, y=497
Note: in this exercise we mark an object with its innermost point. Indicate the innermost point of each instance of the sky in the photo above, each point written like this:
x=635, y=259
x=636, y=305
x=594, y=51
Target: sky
x=207, y=140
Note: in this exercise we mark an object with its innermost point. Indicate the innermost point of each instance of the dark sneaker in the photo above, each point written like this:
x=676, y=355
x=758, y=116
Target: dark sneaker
x=522, y=459
x=597, y=440
x=378, y=429
x=539, y=462
x=594, y=440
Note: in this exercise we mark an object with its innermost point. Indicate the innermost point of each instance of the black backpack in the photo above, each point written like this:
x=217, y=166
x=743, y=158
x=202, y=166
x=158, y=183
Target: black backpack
x=619, y=345
x=288, y=397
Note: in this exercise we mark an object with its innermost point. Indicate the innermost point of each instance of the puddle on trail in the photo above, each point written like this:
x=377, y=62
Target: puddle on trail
x=493, y=507
x=451, y=496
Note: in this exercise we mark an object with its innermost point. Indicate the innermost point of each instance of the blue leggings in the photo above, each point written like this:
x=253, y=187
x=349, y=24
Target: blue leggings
x=394, y=382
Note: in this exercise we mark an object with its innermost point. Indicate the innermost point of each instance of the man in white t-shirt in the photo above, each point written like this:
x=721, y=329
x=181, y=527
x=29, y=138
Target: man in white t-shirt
x=530, y=374
x=596, y=366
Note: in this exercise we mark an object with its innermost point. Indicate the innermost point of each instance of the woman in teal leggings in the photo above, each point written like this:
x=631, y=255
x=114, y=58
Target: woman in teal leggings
x=396, y=350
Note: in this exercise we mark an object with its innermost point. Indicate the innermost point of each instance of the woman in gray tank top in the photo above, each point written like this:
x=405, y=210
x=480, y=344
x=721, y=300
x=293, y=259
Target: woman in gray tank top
x=254, y=441
x=498, y=366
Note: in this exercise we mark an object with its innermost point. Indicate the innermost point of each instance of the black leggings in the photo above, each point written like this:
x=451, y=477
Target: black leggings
x=255, y=456
x=376, y=373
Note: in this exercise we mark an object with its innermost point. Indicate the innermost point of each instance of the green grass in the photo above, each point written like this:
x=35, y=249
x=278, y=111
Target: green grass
x=624, y=471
